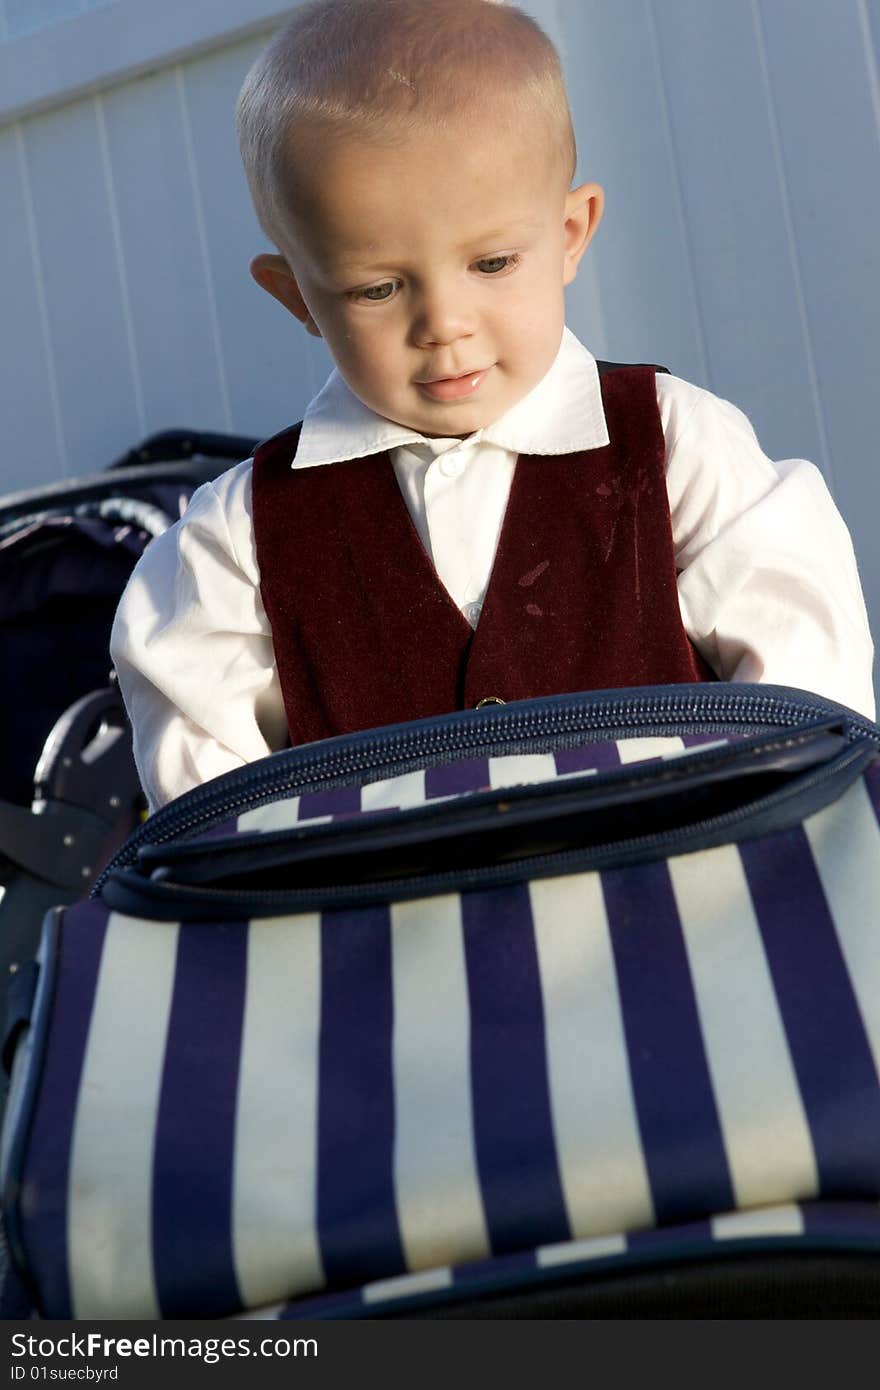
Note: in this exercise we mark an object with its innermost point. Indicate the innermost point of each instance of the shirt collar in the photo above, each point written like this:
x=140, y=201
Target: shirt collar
x=562, y=414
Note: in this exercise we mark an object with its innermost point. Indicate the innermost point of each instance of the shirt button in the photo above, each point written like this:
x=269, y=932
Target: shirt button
x=451, y=464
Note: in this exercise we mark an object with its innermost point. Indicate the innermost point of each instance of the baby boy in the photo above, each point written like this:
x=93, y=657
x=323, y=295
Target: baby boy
x=472, y=509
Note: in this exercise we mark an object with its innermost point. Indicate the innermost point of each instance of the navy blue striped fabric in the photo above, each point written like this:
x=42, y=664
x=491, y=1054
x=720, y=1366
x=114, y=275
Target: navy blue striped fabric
x=678, y=1117
x=221, y=831
x=451, y=779
x=347, y=1303
x=513, y=1127
x=826, y=1036
x=47, y=1165
x=358, y=1228
x=647, y=1243
x=596, y=757
x=192, y=1199
x=477, y=1271
x=858, y=1222
x=330, y=801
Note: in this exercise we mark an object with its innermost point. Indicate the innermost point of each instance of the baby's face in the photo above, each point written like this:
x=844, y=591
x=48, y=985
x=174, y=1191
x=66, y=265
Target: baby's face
x=434, y=269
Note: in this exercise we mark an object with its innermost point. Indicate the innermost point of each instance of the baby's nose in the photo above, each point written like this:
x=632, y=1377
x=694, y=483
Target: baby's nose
x=441, y=319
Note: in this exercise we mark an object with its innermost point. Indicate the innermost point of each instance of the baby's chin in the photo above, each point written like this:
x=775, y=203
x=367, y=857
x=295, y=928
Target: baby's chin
x=457, y=418
x=452, y=425
x=416, y=407
x=443, y=423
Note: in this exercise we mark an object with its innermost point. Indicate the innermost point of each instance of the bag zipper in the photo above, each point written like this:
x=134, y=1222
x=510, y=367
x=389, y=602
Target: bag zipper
x=128, y=892
x=789, y=754
x=391, y=750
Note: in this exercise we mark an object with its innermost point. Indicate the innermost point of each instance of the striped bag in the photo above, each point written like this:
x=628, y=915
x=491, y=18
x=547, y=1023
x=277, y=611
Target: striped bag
x=578, y=985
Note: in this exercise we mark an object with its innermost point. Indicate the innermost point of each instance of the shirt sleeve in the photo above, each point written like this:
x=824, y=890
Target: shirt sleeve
x=192, y=647
x=768, y=583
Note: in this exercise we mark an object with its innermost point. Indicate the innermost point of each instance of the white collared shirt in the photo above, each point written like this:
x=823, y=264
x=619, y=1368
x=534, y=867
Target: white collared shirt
x=768, y=585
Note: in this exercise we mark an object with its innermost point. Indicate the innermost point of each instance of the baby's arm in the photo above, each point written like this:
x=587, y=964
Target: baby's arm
x=193, y=650
x=768, y=583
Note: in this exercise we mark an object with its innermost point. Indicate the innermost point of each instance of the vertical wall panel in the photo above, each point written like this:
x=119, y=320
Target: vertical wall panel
x=31, y=453
x=639, y=253
x=827, y=123
x=736, y=218
x=86, y=315
x=166, y=276
x=869, y=23
x=870, y=10
x=272, y=371
x=584, y=309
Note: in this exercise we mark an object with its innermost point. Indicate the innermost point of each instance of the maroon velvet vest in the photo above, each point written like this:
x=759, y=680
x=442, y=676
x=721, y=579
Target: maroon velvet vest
x=583, y=593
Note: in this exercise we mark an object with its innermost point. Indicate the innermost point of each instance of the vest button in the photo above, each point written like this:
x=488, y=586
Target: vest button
x=490, y=700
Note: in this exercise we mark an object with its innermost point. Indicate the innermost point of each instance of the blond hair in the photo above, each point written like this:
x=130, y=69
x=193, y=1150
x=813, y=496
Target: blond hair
x=383, y=68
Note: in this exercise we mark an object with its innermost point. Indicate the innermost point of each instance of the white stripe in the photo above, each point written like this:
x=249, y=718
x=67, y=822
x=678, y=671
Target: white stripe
x=845, y=840
x=767, y=1221
x=518, y=769
x=765, y=1129
x=403, y=1284
x=601, y=1163
x=111, y=1170
x=697, y=748
x=439, y=1204
x=637, y=750
x=401, y=792
x=275, y=1240
x=278, y=815
x=569, y=1251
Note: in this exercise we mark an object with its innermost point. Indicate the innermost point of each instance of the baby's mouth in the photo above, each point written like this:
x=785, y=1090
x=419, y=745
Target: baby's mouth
x=454, y=388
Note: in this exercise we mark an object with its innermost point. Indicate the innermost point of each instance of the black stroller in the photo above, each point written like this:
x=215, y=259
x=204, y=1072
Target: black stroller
x=69, y=793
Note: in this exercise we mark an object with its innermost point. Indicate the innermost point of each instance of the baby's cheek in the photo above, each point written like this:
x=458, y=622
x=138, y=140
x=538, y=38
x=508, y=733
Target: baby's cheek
x=542, y=326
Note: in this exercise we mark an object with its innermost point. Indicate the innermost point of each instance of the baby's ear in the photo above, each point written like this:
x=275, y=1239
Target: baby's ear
x=274, y=275
x=583, y=213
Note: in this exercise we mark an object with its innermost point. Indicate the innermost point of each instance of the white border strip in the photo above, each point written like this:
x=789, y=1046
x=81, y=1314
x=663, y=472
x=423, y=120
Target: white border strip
x=787, y=1220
